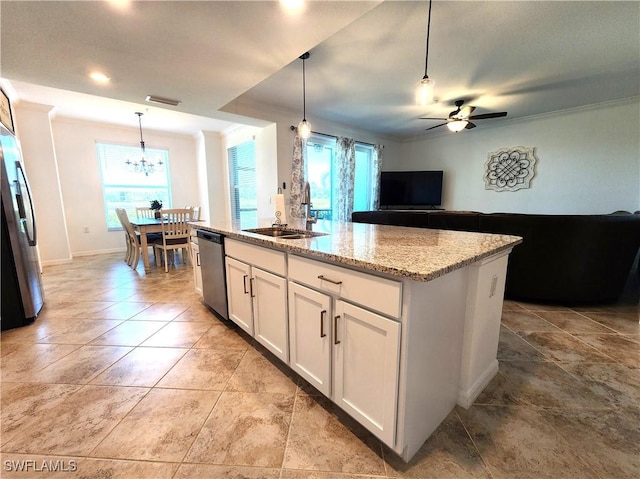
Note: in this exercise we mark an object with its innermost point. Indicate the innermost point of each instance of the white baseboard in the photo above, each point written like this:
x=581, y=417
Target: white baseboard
x=54, y=262
x=97, y=252
x=466, y=398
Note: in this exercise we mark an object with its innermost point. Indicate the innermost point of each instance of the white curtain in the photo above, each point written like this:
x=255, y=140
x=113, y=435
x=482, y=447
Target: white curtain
x=376, y=168
x=346, y=167
x=298, y=177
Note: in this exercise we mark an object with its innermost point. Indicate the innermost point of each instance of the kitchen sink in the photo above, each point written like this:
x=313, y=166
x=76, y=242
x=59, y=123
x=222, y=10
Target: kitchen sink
x=284, y=233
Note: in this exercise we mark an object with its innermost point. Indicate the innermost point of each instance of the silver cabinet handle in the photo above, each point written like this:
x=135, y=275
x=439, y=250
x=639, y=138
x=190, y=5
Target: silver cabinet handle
x=323, y=314
x=244, y=281
x=323, y=278
x=251, y=287
x=197, y=259
x=335, y=329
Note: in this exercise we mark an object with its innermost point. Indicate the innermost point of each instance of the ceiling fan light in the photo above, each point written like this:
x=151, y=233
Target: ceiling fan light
x=425, y=91
x=304, y=129
x=457, y=125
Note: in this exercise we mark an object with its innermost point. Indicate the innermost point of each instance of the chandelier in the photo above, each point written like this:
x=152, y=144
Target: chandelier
x=143, y=165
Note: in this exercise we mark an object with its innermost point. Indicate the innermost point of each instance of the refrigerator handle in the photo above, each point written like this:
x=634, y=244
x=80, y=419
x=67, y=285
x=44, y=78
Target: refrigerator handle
x=32, y=241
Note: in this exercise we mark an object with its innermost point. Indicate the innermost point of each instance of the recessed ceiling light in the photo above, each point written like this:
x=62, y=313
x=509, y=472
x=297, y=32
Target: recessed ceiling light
x=292, y=4
x=99, y=77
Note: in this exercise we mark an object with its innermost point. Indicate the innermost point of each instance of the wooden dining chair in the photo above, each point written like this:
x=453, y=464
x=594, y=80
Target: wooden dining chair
x=144, y=212
x=175, y=234
x=133, y=241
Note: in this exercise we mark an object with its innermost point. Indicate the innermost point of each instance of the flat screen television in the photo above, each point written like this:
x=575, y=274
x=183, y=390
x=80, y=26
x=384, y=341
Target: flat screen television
x=410, y=189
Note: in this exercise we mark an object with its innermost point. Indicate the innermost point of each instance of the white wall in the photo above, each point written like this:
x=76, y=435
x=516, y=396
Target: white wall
x=588, y=161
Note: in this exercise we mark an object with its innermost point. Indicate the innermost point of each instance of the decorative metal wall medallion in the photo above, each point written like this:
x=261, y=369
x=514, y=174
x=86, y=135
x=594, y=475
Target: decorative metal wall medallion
x=510, y=169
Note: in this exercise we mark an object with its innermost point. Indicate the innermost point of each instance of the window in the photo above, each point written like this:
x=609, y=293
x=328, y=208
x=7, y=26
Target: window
x=322, y=170
x=242, y=181
x=123, y=188
x=320, y=167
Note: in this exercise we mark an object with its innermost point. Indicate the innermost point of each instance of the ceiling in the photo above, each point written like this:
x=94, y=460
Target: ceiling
x=522, y=57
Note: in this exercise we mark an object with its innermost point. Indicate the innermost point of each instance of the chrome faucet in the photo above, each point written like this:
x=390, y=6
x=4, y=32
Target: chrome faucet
x=306, y=200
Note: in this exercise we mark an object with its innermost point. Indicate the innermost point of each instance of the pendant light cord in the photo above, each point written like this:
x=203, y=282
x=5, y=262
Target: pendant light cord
x=304, y=93
x=426, y=60
x=140, y=124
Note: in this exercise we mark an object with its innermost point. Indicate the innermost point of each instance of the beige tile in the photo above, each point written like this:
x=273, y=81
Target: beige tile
x=245, y=429
x=161, y=427
x=141, y=367
x=122, y=310
x=201, y=471
x=626, y=323
x=118, y=469
x=545, y=384
x=116, y=294
x=448, y=453
x=178, y=335
x=202, y=369
x=198, y=312
x=517, y=441
x=319, y=441
x=525, y=321
x=160, y=311
x=82, y=365
x=613, y=445
x=31, y=333
x=77, y=332
x=573, y=322
x=563, y=346
x=622, y=349
x=130, y=333
x=256, y=373
x=223, y=337
x=22, y=403
x=22, y=363
x=77, y=425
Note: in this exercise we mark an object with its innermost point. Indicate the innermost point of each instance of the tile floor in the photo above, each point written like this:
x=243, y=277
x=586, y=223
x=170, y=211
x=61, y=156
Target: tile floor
x=127, y=375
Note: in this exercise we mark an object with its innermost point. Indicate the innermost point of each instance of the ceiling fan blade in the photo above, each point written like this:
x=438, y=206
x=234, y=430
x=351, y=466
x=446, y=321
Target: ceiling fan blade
x=465, y=111
x=437, y=126
x=469, y=126
x=484, y=116
x=425, y=118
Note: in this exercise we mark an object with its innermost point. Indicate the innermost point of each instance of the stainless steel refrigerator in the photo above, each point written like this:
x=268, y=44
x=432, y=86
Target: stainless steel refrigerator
x=22, y=294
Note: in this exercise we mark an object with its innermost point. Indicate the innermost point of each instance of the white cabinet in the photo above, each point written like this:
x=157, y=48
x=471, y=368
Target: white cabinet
x=310, y=336
x=270, y=311
x=238, y=294
x=366, y=352
x=348, y=353
x=257, y=302
x=195, y=262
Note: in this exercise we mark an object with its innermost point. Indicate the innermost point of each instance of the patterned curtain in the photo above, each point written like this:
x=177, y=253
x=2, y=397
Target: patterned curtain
x=298, y=176
x=346, y=166
x=376, y=168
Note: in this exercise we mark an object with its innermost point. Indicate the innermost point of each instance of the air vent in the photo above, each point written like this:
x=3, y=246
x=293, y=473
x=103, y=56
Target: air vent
x=164, y=101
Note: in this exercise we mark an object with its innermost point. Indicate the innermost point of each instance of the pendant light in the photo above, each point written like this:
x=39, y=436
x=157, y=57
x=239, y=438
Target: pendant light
x=304, y=128
x=143, y=166
x=425, y=89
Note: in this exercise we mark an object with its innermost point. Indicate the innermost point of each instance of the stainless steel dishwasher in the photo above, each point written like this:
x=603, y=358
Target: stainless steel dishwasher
x=214, y=282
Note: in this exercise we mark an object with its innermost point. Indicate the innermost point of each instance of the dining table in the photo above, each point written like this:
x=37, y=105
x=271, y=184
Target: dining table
x=144, y=226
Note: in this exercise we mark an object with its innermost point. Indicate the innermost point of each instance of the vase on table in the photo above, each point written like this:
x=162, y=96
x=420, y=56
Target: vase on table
x=157, y=214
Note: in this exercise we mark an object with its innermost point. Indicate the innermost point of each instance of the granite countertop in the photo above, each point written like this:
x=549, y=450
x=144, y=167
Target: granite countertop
x=419, y=254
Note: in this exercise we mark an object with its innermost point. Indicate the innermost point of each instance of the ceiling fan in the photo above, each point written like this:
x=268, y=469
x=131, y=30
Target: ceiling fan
x=459, y=119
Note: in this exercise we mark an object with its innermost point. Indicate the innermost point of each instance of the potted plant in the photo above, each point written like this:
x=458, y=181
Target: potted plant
x=156, y=206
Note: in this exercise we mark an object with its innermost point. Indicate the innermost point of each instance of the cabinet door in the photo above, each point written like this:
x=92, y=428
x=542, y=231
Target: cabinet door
x=366, y=349
x=270, y=312
x=238, y=294
x=310, y=336
x=197, y=272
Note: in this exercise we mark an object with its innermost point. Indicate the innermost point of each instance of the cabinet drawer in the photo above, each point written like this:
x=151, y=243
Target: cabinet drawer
x=380, y=294
x=264, y=258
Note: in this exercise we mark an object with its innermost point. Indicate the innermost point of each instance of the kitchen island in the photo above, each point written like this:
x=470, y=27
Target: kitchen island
x=395, y=325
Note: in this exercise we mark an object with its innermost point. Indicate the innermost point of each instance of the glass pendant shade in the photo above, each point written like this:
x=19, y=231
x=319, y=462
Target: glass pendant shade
x=457, y=125
x=304, y=129
x=425, y=91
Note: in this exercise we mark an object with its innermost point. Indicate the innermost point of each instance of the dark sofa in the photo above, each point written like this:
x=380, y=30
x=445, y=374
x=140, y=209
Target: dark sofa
x=565, y=259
